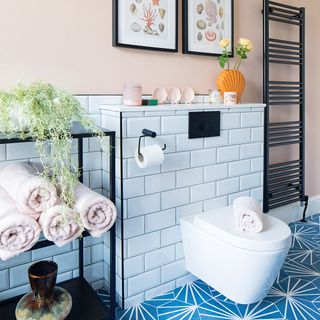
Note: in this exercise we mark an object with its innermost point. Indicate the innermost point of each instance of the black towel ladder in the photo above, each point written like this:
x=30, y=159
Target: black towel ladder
x=284, y=182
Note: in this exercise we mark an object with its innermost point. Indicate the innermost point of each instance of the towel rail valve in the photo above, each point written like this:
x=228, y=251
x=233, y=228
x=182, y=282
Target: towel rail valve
x=148, y=133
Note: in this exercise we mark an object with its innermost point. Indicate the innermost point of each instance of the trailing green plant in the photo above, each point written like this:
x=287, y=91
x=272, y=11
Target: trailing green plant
x=45, y=113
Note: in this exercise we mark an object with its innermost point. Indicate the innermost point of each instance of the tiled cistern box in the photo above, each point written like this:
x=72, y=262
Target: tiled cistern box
x=196, y=175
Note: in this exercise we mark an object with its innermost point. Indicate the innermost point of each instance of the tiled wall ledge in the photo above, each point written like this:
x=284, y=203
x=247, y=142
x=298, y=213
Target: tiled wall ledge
x=197, y=175
x=179, y=107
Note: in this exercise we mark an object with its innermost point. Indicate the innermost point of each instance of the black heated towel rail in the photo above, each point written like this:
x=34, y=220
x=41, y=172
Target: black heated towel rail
x=284, y=183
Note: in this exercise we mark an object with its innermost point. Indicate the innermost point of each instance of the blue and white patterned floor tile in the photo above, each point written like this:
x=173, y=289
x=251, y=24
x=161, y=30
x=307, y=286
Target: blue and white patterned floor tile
x=295, y=298
x=215, y=309
x=295, y=295
x=195, y=293
x=176, y=310
x=314, y=221
x=303, y=236
x=304, y=256
x=147, y=310
x=302, y=271
x=141, y=311
x=160, y=300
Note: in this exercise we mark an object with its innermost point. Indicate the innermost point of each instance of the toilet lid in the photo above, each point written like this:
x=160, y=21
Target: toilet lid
x=220, y=223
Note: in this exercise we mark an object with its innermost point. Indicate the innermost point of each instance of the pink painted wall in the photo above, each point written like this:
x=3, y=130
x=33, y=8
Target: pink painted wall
x=68, y=43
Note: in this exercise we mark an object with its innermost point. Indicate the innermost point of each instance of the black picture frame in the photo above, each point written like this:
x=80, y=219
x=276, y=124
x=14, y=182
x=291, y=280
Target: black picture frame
x=185, y=38
x=115, y=31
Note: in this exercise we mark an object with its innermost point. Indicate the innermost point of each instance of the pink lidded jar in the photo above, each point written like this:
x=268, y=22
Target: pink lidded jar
x=132, y=94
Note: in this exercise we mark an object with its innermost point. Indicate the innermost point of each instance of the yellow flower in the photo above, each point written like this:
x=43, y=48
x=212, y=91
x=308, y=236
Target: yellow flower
x=246, y=43
x=224, y=43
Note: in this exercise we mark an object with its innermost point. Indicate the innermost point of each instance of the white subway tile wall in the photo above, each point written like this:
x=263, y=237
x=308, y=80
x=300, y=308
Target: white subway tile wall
x=144, y=243
x=158, y=258
x=133, y=266
x=2, y=153
x=150, y=294
x=197, y=175
x=143, y=205
x=13, y=273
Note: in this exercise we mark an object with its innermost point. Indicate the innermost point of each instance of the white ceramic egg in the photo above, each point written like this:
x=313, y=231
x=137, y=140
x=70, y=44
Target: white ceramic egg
x=188, y=95
x=160, y=94
x=174, y=95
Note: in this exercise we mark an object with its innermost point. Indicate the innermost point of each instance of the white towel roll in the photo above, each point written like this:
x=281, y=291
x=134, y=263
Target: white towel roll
x=97, y=213
x=60, y=224
x=33, y=194
x=18, y=232
x=248, y=214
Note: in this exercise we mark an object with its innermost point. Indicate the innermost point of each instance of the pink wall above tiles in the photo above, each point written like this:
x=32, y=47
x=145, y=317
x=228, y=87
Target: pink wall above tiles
x=68, y=43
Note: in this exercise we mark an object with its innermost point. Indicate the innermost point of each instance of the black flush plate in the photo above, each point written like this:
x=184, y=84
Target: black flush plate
x=204, y=124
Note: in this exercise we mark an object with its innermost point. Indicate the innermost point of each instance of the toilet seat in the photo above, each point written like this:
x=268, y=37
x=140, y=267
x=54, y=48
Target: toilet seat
x=220, y=223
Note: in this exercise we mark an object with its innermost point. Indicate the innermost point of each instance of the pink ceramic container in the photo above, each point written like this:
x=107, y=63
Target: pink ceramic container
x=132, y=94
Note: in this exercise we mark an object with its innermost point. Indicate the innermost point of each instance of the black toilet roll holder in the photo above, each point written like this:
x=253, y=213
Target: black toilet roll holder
x=147, y=133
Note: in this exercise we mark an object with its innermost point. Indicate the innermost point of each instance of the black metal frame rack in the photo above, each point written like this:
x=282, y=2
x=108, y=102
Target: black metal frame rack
x=86, y=303
x=284, y=183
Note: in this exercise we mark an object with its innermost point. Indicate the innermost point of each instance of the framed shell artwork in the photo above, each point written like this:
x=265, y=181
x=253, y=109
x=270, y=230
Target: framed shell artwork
x=205, y=24
x=146, y=24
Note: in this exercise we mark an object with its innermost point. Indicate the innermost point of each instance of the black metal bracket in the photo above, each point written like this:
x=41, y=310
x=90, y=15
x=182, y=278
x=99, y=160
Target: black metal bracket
x=306, y=203
x=147, y=133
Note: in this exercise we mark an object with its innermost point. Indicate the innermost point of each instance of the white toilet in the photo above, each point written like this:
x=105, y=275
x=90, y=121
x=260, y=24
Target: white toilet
x=242, y=266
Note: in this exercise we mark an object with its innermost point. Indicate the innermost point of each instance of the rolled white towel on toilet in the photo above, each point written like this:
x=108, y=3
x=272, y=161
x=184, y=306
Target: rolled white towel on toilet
x=248, y=214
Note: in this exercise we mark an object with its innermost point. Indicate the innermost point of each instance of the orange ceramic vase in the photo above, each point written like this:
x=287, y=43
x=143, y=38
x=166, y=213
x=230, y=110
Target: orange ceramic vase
x=231, y=81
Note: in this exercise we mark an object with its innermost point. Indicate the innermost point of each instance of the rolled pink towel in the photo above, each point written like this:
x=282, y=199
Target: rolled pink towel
x=18, y=232
x=60, y=224
x=97, y=213
x=248, y=214
x=33, y=194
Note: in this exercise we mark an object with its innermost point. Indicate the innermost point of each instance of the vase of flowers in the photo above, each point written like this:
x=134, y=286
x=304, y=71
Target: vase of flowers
x=232, y=80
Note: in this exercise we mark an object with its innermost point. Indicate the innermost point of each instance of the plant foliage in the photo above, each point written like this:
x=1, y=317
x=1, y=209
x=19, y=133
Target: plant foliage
x=45, y=113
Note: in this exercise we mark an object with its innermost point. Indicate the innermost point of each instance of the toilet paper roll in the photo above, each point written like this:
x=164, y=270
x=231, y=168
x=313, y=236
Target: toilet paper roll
x=150, y=156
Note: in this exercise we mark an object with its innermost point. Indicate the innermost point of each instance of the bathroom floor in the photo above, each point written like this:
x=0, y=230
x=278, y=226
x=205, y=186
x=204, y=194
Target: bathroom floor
x=294, y=295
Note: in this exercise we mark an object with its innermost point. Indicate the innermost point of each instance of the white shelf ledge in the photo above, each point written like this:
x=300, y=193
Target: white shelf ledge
x=176, y=107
